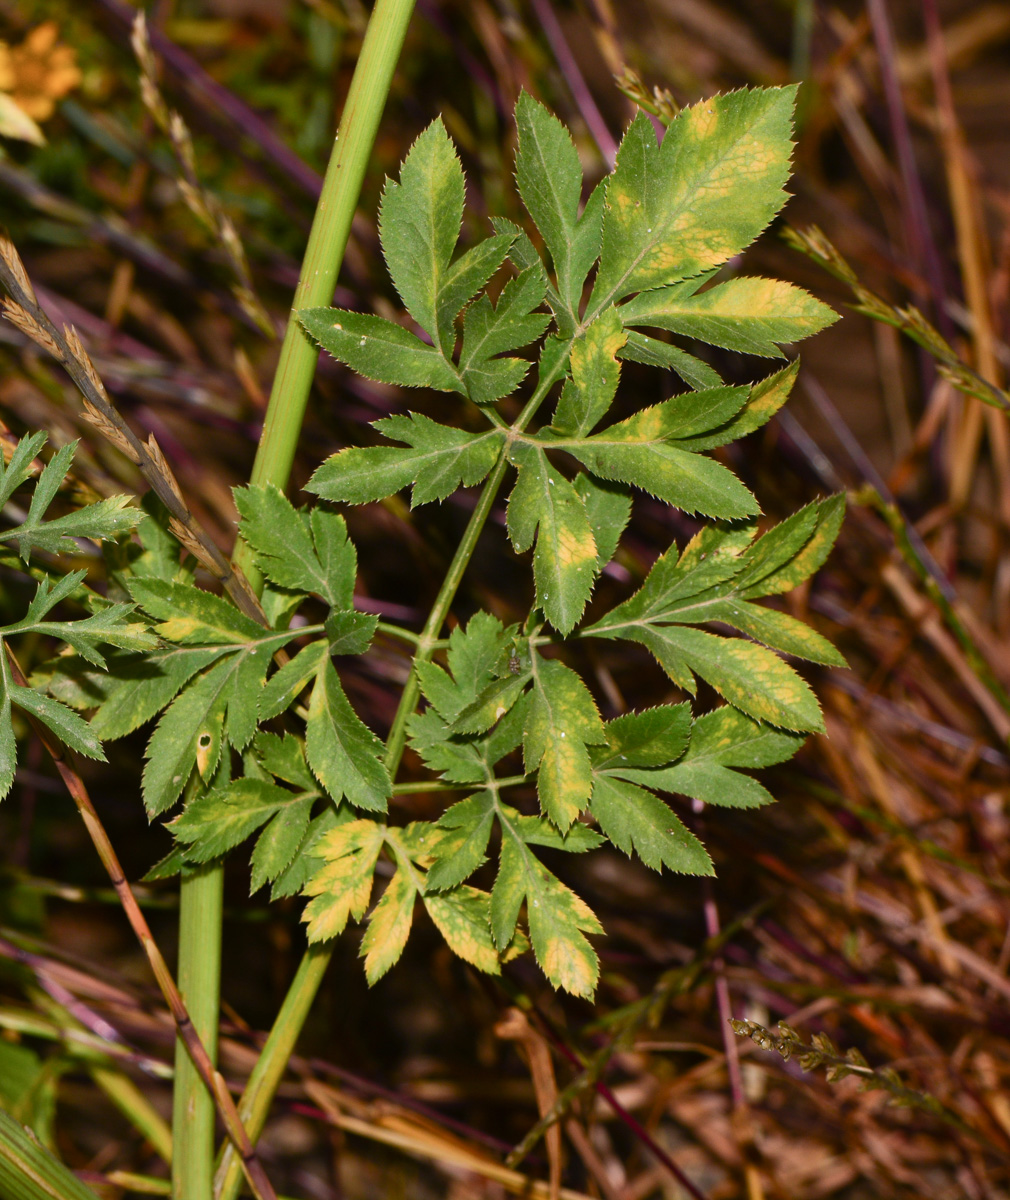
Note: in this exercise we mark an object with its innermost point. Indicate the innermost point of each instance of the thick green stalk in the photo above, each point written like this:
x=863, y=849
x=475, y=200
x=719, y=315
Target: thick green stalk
x=324, y=254
x=201, y=901
x=296, y=367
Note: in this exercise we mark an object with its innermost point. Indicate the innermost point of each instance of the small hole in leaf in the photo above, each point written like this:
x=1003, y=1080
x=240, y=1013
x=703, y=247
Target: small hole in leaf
x=204, y=741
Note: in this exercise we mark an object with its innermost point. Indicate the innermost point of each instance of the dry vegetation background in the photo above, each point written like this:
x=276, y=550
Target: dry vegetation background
x=869, y=905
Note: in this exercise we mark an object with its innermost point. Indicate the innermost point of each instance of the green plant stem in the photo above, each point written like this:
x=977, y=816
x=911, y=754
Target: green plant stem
x=272, y=1062
x=331, y=225
x=201, y=902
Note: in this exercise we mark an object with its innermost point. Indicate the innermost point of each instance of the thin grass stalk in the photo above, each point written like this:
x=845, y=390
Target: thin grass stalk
x=29, y=1172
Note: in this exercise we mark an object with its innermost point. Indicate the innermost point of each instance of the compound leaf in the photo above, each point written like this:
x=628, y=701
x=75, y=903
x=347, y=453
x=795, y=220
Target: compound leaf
x=722, y=742
x=220, y=819
x=143, y=686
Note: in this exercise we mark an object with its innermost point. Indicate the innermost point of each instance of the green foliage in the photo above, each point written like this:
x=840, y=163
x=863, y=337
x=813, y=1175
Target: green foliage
x=108, y=625
x=720, y=573
x=505, y=708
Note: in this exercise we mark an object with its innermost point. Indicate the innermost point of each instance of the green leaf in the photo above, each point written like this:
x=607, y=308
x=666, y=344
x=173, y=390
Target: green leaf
x=560, y=721
x=106, y=628
x=750, y=677
x=247, y=686
x=342, y=887
x=675, y=210
x=549, y=176
x=454, y=757
x=492, y=331
x=379, y=349
x=350, y=632
x=288, y=682
x=389, y=926
x=652, y=738
x=463, y=919
x=192, y=724
x=103, y=520
x=538, y=831
x=716, y=577
x=634, y=819
x=299, y=871
x=284, y=757
x=218, y=820
x=14, y=473
x=765, y=399
x=558, y=919
x=419, y=224
x=775, y=629
x=28, y=1171
x=438, y=461
x=787, y=574
x=72, y=730
x=695, y=373
x=674, y=420
x=589, y=393
x=309, y=553
x=564, y=563
x=474, y=653
x=608, y=507
x=191, y=616
x=467, y=825
x=721, y=742
x=144, y=686
x=278, y=844
x=751, y=315
x=344, y=754
x=687, y=481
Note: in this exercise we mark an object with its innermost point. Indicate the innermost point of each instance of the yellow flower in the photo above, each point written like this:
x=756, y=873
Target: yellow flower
x=38, y=72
